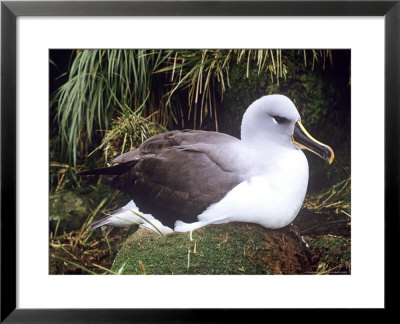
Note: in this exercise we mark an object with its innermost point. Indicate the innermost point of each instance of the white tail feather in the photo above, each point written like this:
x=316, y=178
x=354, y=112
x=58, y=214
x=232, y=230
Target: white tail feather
x=101, y=222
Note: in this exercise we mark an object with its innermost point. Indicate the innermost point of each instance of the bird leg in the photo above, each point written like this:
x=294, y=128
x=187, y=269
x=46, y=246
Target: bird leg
x=188, y=262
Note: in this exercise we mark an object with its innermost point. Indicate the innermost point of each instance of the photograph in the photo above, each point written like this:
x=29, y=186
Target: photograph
x=231, y=161
x=193, y=161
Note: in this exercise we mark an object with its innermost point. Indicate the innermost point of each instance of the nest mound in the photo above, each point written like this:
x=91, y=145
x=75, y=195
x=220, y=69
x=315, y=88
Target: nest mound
x=233, y=248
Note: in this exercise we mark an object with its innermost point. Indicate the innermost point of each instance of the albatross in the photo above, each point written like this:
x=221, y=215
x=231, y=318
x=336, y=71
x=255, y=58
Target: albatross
x=182, y=180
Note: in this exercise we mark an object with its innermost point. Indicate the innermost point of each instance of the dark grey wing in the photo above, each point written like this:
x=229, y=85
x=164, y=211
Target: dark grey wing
x=176, y=176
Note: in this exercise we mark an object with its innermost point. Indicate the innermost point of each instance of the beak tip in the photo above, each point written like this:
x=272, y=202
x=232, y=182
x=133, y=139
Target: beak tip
x=332, y=157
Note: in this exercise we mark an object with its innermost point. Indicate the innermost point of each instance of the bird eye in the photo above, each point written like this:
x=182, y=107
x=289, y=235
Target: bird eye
x=279, y=120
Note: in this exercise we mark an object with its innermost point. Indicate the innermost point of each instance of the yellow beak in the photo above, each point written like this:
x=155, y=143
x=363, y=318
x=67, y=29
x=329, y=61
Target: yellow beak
x=303, y=139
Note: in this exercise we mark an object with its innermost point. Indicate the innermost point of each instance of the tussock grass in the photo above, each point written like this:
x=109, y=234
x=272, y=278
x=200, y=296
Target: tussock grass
x=126, y=134
x=166, y=86
x=336, y=199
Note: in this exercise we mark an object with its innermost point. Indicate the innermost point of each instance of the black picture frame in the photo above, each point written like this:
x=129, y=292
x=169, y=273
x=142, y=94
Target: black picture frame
x=10, y=10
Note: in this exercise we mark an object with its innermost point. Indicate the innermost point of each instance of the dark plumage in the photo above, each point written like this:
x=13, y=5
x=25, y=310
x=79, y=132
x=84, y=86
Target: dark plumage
x=175, y=175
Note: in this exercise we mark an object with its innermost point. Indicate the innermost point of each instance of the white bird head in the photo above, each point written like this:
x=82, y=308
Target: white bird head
x=274, y=120
x=270, y=118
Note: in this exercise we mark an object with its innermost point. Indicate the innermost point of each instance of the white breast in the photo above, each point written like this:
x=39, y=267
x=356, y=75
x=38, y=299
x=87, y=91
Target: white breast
x=272, y=199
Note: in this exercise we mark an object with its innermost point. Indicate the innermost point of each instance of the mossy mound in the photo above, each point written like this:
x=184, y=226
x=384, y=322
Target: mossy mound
x=233, y=248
